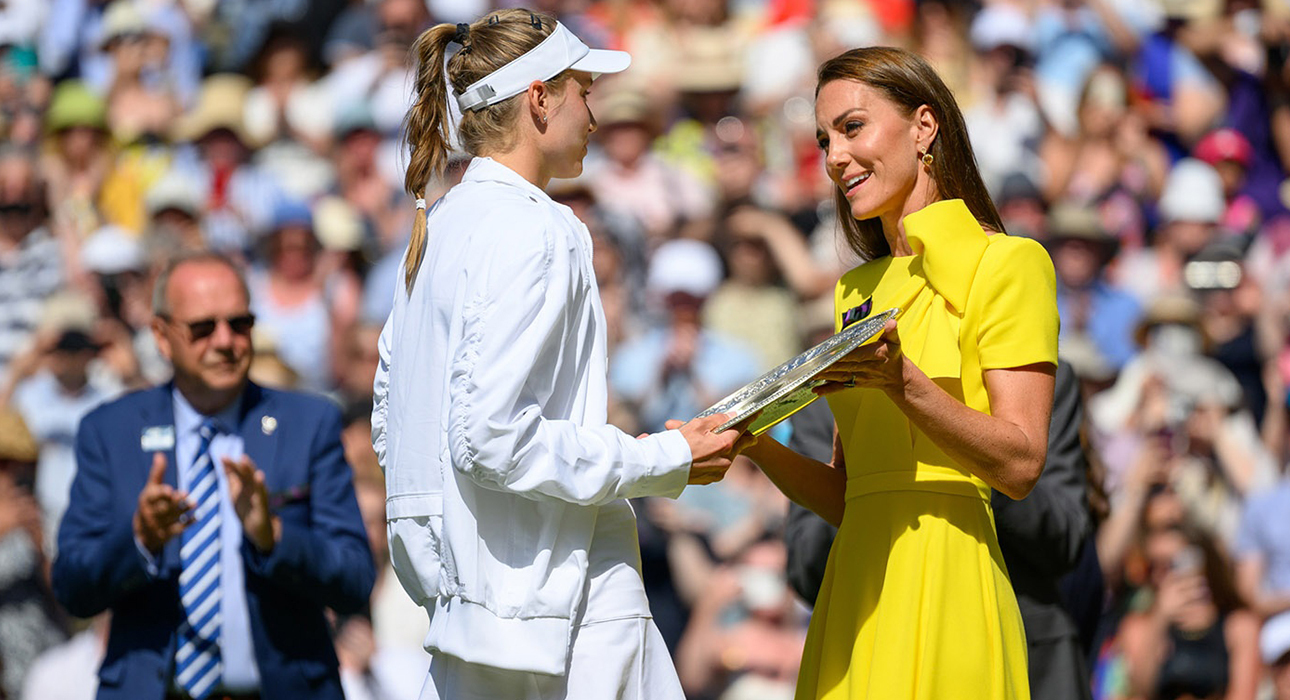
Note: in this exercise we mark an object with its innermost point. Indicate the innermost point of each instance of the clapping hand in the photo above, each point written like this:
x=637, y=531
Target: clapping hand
x=251, y=503
x=163, y=511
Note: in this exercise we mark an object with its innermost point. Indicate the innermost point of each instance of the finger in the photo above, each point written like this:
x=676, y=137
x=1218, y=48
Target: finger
x=157, y=475
x=235, y=469
x=673, y=424
x=829, y=388
x=717, y=420
x=889, y=332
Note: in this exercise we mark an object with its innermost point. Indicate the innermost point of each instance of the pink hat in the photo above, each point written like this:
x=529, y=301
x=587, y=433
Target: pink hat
x=1224, y=144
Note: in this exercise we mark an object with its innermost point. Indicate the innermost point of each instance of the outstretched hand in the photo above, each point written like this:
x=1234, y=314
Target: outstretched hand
x=712, y=453
x=877, y=365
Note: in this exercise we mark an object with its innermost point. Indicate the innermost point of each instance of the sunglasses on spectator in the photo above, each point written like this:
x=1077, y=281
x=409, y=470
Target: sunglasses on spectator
x=205, y=328
x=15, y=208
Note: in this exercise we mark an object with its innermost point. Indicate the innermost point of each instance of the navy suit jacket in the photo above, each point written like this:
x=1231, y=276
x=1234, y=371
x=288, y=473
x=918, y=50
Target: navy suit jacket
x=322, y=561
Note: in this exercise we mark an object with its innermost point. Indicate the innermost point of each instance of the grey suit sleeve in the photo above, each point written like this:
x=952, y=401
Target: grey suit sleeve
x=1046, y=529
x=807, y=536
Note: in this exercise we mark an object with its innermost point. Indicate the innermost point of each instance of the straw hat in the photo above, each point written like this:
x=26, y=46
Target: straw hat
x=708, y=60
x=16, y=442
x=220, y=105
x=1166, y=309
x=1068, y=221
x=122, y=18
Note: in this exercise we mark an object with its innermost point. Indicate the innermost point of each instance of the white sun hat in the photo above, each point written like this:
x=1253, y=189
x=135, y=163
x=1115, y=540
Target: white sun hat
x=558, y=52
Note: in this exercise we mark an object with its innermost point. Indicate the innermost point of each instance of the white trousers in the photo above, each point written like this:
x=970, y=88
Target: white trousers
x=612, y=660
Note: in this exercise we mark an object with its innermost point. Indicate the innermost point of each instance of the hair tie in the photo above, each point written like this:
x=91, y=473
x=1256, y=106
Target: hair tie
x=533, y=19
x=463, y=33
x=421, y=203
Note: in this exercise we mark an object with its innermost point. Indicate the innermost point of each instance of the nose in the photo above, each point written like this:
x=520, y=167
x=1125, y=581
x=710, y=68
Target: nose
x=223, y=336
x=835, y=159
x=592, y=116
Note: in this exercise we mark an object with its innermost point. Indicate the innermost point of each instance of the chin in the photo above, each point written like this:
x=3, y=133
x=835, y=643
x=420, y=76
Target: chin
x=572, y=170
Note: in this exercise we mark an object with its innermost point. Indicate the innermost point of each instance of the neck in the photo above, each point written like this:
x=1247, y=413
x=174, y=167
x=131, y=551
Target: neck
x=527, y=163
x=207, y=402
x=893, y=222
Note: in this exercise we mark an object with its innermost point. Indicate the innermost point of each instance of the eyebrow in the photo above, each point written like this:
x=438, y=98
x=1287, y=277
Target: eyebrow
x=842, y=117
x=837, y=121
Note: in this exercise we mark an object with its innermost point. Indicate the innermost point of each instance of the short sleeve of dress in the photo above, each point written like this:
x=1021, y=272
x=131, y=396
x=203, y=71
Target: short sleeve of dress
x=1016, y=289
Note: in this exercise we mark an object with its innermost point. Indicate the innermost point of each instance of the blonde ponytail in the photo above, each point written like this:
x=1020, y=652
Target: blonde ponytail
x=488, y=44
x=426, y=133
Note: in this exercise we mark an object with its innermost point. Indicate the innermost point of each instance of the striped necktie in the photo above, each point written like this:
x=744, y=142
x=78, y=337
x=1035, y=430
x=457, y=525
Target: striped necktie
x=197, y=659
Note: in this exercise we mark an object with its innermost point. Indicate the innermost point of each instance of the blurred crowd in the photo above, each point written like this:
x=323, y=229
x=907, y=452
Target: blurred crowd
x=1145, y=142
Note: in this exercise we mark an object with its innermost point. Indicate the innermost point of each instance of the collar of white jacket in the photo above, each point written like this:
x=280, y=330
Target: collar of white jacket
x=558, y=52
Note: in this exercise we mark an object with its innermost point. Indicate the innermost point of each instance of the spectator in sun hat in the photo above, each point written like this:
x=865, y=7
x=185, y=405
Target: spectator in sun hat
x=142, y=102
x=1229, y=153
x=305, y=313
x=1092, y=310
x=75, y=168
x=679, y=367
x=629, y=179
x=59, y=380
x=1191, y=207
x=175, y=211
x=238, y=196
x=1005, y=116
x=361, y=178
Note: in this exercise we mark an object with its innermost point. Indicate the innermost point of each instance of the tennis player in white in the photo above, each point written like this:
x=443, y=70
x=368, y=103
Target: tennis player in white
x=508, y=518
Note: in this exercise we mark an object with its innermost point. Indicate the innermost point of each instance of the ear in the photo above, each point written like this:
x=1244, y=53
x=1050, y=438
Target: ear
x=163, y=340
x=538, y=99
x=926, y=127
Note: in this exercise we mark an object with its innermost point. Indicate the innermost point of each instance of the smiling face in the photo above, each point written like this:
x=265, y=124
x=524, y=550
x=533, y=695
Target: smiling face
x=872, y=150
x=210, y=371
x=569, y=126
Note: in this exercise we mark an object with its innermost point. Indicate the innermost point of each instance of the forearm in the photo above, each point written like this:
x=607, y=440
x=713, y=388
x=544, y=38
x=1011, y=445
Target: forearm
x=1001, y=453
x=803, y=275
x=1145, y=658
x=1269, y=604
x=809, y=483
x=1119, y=531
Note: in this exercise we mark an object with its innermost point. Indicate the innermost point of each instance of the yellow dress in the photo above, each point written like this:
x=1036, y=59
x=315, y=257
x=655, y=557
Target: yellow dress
x=916, y=601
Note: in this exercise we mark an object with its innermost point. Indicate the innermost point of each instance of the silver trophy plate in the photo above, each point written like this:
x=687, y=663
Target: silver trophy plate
x=787, y=389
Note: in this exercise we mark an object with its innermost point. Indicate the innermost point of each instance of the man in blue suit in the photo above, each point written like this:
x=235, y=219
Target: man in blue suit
x=216, y=519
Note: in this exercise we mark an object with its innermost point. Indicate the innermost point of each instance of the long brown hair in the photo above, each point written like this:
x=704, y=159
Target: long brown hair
x=909, y=82
x=491, y=42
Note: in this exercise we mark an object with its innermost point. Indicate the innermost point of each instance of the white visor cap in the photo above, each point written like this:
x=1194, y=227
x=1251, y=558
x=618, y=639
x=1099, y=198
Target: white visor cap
x=558, y=52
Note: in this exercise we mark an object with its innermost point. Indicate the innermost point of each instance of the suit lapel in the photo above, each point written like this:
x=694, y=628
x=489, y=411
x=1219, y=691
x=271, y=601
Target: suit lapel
x=259, y=430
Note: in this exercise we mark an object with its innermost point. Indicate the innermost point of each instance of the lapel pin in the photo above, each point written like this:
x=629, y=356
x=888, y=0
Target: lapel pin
x=268, y=424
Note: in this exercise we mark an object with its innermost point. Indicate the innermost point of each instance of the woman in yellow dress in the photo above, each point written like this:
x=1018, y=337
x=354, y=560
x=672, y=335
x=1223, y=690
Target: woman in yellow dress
x=916, y=601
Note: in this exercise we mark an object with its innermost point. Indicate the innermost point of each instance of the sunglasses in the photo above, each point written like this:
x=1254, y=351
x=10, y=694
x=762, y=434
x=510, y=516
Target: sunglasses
x=15, y=209
x=205, y=328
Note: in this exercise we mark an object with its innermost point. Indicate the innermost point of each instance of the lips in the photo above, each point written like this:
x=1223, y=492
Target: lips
x=851, y=184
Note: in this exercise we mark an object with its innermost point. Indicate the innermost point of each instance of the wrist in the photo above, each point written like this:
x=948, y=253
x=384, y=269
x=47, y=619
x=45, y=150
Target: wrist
x=268, y=536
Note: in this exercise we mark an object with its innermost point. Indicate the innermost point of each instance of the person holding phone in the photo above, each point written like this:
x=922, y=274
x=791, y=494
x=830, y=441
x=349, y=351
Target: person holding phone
x=1195, y=639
